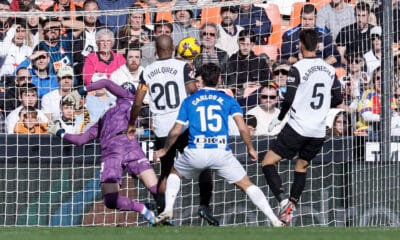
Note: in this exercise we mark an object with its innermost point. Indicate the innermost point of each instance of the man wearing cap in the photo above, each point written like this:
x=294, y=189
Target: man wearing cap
x=39, y=68
x=373, y=56
x=183, y=23
x=228, y=31
x=51, y=101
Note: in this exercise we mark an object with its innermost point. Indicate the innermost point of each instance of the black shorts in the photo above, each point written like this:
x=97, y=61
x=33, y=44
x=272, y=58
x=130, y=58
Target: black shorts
x=289, y=143
x=168, y=160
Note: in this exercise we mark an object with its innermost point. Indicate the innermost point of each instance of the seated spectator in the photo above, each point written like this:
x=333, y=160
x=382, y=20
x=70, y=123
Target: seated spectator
x=280, y=71
x=69, y=120
x=247, y=71
x=85, y=42
x=5, y=22
x=266, y=110
x=335, y=15
x=11, y=100
x=356, y=74
x=149, y=54
x=228, y=30
x=33, y=28
x=134, y=30
x=256, y=19
x=350, y=100
x=29, y=123
x=210, y=53
x=28, y=97
x=183, y=23
x=21, y=5
x=395, y=123
x=65, y=6
x=338, y=123
x=14, y=49
x=105, y=60
x=114, y=22
x=51, y=101
x=355, y=38
x=39, y=67
x=373, y=56
x=326, y=49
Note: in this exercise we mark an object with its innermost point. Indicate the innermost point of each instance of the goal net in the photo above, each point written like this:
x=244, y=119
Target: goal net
x=353, y=181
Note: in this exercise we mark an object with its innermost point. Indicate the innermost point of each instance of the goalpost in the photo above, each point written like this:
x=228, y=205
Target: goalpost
x=47, y=182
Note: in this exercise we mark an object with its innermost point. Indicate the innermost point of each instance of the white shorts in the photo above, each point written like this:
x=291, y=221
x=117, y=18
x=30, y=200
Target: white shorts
x=193, y=161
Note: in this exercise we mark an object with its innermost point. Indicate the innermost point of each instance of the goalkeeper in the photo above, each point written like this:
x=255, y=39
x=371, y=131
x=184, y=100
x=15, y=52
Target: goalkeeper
x=118, y=153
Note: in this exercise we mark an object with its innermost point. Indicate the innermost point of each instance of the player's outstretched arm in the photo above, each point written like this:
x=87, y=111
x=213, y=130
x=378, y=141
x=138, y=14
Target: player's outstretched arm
x=245, y=134
x=54, y=127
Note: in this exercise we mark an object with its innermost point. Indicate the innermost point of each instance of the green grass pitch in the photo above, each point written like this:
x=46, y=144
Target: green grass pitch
x=200, y=233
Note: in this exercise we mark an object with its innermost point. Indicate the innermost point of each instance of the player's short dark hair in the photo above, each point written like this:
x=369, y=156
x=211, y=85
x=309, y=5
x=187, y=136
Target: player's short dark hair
x=210, y=74
x=308, y=8
x=309, y=39
x=247, y=33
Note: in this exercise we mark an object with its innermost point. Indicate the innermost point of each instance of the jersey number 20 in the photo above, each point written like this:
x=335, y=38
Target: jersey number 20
x=171, y=93
x=209, y=120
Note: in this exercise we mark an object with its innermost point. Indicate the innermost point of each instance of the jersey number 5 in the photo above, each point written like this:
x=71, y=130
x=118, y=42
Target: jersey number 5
x=209, y=120
x=318, y=96
x=171, y=93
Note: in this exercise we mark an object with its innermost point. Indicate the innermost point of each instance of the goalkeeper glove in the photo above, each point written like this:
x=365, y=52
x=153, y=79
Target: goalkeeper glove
x=55, y=128
x=75, y=96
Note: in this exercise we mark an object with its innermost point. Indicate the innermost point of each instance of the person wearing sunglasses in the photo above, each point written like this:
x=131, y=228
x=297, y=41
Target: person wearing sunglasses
x=280, y=71
x=266, y=110
x=373, y=56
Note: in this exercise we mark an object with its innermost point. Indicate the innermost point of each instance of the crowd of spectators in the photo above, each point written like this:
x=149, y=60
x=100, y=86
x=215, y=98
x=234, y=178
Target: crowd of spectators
x=44, y=57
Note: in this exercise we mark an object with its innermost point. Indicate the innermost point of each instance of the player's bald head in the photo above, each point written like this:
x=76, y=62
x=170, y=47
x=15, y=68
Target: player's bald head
x=164, y=46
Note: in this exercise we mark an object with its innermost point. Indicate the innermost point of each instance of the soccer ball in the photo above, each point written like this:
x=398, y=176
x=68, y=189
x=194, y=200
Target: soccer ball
x=189, y=48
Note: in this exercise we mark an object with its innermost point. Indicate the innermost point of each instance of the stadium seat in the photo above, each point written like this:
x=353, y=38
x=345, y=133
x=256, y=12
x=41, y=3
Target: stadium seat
x=270, y=50
x=211, y=15
x=295, y=18
x=276, y=37
x=164, y=13
x=273, y=13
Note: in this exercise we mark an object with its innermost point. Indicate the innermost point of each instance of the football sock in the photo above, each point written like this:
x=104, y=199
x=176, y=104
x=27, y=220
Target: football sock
x=153, y=191
x=258, y=198
x=114, y=201
x=206, y=187
x=173, y=186
x=298, y=185
x=274, y=181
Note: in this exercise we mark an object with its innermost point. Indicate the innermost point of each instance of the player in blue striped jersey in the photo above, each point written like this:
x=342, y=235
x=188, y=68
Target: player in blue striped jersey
x=206, y=112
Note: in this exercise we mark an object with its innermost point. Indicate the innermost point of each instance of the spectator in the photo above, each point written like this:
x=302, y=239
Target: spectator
x=28, y=97
x=99, y=102
x=373, y=56
x=335, y=15
x=33, y=28
x=15, y=50
x=29, y=123
x=280, y=71
x=247, y=71
x=11, y=100
x=59, y=47
x=134, y=30
x=149, y=54
x=228, y=31
x=65, y=6
x=338, y=123
x=356, y=74
x=209, y=52
x=350, y=100
x=326, y=49
x=266, y=110
x=69, y=120
x=355, y=38
x=21, y=5
x=51, y=101
x=256, y=19
x=183, y=23
x=42, y=78
x=85, y=42
x=395, y=123
x=5, y=22
x=115, y=21
x=105, y=60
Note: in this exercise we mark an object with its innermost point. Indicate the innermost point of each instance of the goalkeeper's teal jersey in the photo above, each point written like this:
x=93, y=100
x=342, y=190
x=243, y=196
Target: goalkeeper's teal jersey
x=207, y=113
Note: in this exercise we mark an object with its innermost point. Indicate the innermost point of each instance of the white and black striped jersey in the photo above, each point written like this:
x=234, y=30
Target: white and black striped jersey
x=312, y=89
x=166, y=80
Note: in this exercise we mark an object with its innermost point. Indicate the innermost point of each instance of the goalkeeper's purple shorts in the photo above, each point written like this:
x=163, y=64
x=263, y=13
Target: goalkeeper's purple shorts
x=122, y=154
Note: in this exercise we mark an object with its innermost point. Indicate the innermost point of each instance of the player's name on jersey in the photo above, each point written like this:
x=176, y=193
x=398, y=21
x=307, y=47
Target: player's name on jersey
x=318, y=68
x=207, y=97
x=211, y=140
x=162, y=70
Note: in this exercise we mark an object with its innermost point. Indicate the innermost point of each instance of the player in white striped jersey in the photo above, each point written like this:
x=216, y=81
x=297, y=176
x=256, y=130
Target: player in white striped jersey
x=169, y=81
x=312, y=89
x=207, y=112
